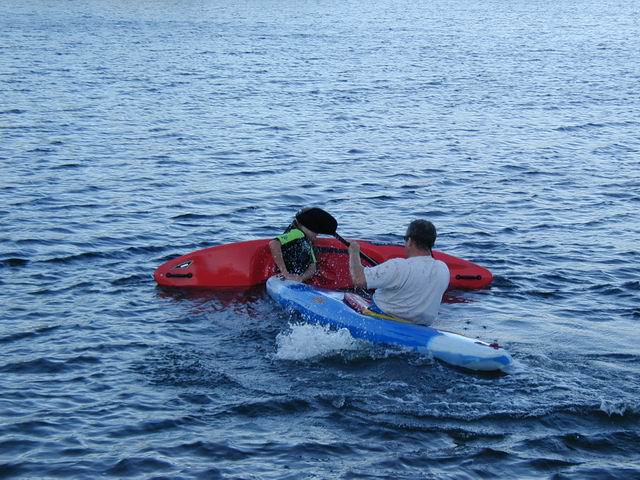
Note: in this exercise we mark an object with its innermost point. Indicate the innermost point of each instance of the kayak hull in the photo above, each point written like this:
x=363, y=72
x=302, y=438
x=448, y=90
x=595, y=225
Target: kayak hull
x=328, y=308
x=249, y=263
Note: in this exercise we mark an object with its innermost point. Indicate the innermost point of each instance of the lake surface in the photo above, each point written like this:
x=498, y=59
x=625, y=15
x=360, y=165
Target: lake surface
x=133, y=133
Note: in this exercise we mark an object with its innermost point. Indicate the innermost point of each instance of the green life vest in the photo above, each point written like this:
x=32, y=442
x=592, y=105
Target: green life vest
x=297, y=251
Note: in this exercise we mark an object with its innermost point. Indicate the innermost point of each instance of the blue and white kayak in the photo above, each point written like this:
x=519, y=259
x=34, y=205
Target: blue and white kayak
x=327, y=307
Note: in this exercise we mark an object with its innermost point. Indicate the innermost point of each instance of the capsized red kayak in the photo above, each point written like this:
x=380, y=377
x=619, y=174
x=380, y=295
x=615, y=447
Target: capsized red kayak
x=245, y=264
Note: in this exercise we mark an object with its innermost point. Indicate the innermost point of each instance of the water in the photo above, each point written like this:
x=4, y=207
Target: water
x=134, y=133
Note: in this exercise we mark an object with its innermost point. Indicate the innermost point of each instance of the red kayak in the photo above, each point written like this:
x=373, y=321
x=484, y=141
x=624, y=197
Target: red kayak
x=245, y=264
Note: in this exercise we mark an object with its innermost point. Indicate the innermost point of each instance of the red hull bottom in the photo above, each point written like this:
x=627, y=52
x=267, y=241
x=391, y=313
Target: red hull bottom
x=245, y=264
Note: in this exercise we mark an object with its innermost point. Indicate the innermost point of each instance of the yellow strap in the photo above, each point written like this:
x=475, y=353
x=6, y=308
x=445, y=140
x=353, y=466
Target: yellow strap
x=371, y=313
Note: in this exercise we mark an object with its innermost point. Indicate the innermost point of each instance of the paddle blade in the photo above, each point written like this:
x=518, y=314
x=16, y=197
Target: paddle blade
x=317, y=220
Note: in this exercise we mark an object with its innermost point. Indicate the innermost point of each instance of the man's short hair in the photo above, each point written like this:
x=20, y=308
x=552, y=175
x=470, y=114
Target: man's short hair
x=423, y=233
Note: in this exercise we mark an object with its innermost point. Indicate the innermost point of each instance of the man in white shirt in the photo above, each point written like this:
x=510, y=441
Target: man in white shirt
x=409, y=288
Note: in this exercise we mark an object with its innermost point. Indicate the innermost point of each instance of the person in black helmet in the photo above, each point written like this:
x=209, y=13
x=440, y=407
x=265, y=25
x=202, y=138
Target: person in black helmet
x=409, y=288
x=293, y=251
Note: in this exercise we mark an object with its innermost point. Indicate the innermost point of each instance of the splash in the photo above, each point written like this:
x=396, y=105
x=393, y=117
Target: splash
x=305, y=341
x=617, y=407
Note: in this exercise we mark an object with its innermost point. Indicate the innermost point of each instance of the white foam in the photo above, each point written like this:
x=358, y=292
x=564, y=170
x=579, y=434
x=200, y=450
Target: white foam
x=616, y=407
x=306, y=341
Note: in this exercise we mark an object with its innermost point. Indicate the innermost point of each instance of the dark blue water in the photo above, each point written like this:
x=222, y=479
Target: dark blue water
x=132, y=132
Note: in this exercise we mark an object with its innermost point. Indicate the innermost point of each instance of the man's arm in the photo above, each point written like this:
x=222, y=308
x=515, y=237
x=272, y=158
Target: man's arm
x=355, y=266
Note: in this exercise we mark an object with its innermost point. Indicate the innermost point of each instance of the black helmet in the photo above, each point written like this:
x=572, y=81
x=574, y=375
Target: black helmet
x=423, y=233
x=317, y=220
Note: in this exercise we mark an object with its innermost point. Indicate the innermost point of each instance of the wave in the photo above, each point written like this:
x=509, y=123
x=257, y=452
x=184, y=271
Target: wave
x=51, y=366
x=193, y=216
x=14, y=262
x=101, y=255
x=14, y=337
x=594, y=125
x=273, y=406
x=620, y=408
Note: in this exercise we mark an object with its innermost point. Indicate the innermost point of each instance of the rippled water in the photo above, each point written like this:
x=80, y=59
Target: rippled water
x=130, y=134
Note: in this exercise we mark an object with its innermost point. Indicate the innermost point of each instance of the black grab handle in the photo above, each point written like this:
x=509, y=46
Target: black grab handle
x=468, y=277
x=179, y=275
